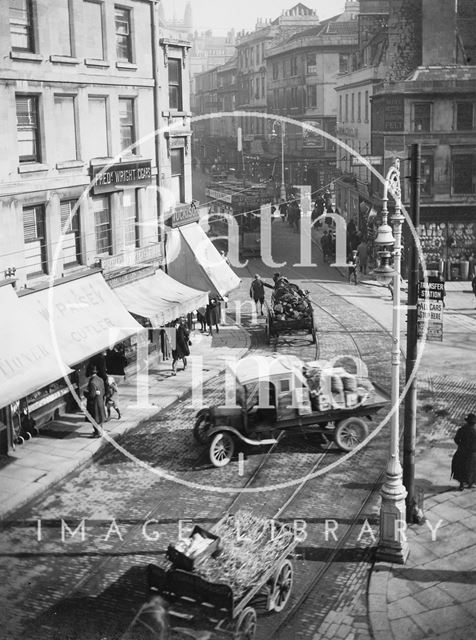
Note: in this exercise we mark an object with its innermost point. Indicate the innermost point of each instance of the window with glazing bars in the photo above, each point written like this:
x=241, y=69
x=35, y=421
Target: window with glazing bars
x=177, y=171
x=175, y=83
x=127, y=124
x=123, y=34
x=27, y=128
x=129, y=205
x=21, y=25
x=102, y=224
x=35, y=239
x=71, y=238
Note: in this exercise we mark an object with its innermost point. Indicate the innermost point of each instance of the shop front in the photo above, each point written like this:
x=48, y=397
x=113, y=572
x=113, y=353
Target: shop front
x=193, y=260
x=448, y=240
x=28, y=363
x=84, y=318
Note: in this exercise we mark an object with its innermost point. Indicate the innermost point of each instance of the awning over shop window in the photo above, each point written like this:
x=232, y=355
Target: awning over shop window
x=27, y=357
x=160, y=298
x=197, y=262
x=84, y=314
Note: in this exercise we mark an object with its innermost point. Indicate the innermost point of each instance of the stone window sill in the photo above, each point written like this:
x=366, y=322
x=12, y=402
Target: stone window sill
x=127, y=66
x=26, y=55
x=92, y=62
x=32, y=167
x=64, y=60
x=69, y=164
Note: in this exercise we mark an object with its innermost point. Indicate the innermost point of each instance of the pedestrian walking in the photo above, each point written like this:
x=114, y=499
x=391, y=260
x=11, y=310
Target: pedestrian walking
x=95, y=394
x=325, y=245
x=201, y=317
x=211, y=315
x=182, y=345
x=463, y=465
x=473, y=285
x=353, y=265
x=283, y=210
x=112, y=392
x=363, y=253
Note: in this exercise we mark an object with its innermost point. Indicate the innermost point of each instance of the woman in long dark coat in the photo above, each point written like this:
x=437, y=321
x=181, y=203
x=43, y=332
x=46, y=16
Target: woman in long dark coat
x=95, y=402
x=182, y=342
x=463, y=465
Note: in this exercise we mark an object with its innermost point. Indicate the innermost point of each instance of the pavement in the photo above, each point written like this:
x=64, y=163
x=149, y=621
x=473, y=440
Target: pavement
x=432, y=596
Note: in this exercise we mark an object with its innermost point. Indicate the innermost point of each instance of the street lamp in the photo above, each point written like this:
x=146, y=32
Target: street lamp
x=279, y=123
x=393, y=546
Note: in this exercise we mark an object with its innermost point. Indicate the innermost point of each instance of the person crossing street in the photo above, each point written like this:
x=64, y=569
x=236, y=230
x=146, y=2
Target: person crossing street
x=257, y=291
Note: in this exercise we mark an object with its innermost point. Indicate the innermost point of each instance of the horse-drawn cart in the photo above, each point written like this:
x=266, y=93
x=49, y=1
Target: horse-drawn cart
x=290, y=311
x=219, y=593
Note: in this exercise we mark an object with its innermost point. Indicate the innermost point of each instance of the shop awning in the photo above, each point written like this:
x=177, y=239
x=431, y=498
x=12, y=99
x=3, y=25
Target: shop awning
x=160, y=298
x=84, y=314
x=197, y=262
x=28, y=360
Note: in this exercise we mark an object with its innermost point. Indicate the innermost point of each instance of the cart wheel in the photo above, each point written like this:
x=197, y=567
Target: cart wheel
x=20, y=440
x=245, y=628
x=222, y=448
x=28, y=436
x=349, y=433
x=282, y=586
x=201, y=428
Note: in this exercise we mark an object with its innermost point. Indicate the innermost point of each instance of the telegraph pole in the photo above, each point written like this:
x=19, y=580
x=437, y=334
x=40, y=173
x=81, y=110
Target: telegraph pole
x=409, y=432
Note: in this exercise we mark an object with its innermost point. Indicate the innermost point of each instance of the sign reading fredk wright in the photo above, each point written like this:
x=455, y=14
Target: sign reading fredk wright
x=121, y=175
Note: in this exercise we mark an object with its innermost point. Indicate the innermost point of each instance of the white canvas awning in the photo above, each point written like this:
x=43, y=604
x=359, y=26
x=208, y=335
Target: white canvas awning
x=28, y=360
x=197, y=262
x=84, y=315
x=160, y=298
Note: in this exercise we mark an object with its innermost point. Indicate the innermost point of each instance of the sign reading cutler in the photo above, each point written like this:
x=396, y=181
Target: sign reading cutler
x=121, y=175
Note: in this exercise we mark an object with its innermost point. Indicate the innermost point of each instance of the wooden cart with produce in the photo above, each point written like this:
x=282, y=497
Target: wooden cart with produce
x=290, y=311
x=282, y=394
x=215, y=579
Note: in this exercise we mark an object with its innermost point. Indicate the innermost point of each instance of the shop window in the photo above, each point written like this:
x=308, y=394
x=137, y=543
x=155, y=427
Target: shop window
x=312, y=96
x=464, y=179
x=97, y=129
x=294, y=66
x=422, y=116
x=359, y=106
x=464, y=116
x=102, y=225
x=94, y=34
x=127, y=123
x=35, y=240
x=177, y=171
x=65, y=128
x=367, y=103
x=175, y=83
x=21, y=25
x=71, y=236
x=123, y=34
x=131, y=229
x=426, y=176
x=28, y=134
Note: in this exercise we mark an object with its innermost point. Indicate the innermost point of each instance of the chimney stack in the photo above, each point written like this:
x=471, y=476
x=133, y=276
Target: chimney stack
x=439, y=32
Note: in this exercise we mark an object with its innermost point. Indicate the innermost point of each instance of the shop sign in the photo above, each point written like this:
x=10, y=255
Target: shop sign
x=359, y=162
x=117, y=280
x=430, y=306
x=121, y=175
x=218, y=195
x=151, y=253
x=184, y=214
x=394, y=113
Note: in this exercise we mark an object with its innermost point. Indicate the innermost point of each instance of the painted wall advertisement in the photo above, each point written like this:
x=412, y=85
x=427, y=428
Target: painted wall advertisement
x=430, y=306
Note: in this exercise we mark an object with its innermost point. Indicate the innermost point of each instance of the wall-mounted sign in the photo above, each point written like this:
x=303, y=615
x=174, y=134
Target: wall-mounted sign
x=121, y=175
x=309, y=137
x=152, y=253
x=430, y=305
x=184, y=214
x=359, y=162
x=218, y=195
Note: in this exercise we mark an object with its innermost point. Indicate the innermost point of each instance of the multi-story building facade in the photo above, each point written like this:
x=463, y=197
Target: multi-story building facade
x=302, y=72
x=417, y=69
x=95, y=172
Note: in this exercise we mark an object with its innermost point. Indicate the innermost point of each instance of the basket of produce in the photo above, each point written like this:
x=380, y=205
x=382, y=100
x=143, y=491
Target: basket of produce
x=250, y=546
x=185, y=553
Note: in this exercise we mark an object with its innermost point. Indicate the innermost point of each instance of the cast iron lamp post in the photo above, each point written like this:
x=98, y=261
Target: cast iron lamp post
x=280, y=124
x=393, y=546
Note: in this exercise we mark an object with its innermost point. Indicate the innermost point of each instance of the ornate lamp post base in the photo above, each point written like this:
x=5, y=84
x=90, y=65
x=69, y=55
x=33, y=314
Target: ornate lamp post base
x=393, y=545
